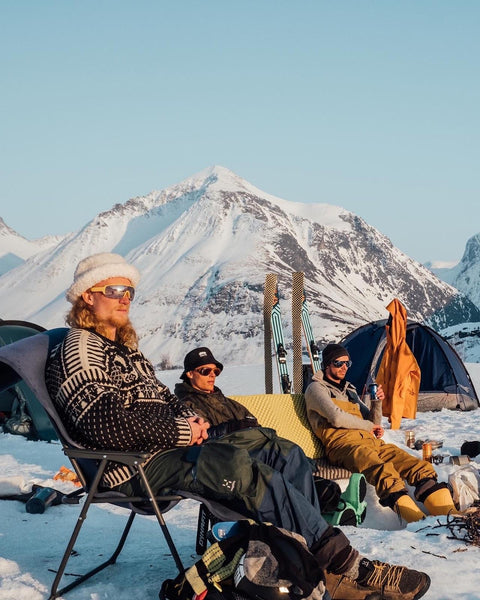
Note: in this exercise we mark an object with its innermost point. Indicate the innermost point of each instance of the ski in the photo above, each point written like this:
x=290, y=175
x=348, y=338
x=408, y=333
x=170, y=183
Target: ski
x=301, y=323
x=297, y=299
x=312, y=348
x=276, y=328
x=268, y=298
x=279, y=346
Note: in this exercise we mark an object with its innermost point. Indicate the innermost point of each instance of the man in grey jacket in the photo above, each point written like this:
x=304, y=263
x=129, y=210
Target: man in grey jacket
x=350, y=430
x=108, y=396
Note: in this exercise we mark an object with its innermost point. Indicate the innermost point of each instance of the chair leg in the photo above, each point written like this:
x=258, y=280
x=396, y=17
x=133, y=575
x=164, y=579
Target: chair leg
x=54, y=592
x=161, y=520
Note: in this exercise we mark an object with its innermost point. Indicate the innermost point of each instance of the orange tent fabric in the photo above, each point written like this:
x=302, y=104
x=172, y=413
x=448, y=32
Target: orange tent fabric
x=399, y=372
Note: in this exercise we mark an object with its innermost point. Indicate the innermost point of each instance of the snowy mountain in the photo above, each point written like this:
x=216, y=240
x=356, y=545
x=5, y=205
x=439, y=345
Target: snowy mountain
x=465, y=276
x=15, y=249
x=204, y=246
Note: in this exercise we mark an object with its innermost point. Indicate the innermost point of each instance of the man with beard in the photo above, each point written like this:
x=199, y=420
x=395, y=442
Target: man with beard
x=233, y=423
x=351, y=433
x=107, y=394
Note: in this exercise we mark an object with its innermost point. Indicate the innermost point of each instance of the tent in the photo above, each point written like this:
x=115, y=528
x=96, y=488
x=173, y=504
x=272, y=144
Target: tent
x=21, y=412
x=445, y=382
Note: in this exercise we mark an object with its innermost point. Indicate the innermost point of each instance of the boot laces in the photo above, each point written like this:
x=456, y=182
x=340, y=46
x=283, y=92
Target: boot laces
x=385, y=576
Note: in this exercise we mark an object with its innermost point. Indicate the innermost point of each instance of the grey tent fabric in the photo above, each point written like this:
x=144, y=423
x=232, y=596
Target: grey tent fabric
x=27, y=416
x=445, y=382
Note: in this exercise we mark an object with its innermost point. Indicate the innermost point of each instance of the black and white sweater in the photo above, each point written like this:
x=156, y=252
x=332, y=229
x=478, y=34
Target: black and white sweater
x=109, y=398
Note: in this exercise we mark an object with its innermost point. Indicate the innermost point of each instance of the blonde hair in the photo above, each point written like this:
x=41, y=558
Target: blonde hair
x=82, y=316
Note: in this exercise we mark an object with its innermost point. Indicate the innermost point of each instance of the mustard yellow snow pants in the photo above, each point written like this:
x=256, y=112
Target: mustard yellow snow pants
x=385, y=466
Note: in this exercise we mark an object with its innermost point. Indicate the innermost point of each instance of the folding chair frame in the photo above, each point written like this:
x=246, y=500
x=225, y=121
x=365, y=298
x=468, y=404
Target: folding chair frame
x=25, y=359
x=133, y=460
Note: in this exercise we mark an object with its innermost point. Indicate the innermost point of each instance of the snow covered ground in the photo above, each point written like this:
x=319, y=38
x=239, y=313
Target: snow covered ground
x=31, y=545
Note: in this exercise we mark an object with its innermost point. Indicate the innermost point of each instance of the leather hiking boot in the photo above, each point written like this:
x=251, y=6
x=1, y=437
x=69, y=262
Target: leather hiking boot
x=381, y=582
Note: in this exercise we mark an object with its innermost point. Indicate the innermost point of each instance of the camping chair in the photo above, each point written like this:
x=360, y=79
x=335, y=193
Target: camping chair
x=26, y=359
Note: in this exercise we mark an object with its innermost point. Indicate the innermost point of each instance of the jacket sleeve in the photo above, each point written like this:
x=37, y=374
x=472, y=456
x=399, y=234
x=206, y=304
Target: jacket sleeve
x=107, y=422
x=319, y=404
x=376, y=412
x=375, y=408
x=179, y=408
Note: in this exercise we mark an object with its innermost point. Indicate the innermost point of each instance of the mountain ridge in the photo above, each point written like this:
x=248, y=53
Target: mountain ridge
x=465, y=275
x=203, y=247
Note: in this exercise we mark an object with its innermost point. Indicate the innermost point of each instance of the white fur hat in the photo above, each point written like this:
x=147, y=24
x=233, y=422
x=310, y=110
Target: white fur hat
x=98, y=267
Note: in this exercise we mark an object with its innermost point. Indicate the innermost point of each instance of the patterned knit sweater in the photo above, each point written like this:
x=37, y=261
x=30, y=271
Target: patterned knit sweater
x=109, y=398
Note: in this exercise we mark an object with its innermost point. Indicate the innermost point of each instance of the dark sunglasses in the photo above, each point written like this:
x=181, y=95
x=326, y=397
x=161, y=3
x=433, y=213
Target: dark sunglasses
x=205, y=371
x=339, y=363
x=115, y=291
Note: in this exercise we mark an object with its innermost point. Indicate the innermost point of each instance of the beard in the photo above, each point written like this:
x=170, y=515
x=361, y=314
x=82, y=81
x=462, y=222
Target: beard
x=119, y=320
x=125, y=332
x=81, y=316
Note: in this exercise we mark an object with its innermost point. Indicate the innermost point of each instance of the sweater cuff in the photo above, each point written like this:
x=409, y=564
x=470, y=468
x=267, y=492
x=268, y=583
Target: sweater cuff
x=184, y=432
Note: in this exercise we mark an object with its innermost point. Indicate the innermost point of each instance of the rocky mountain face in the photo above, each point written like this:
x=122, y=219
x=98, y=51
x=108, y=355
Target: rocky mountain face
x=203, y=248
x=465, y=276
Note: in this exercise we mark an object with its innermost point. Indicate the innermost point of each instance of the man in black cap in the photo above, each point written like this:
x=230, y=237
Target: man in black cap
x=350, y=430
x=199, y=392
x=108, y=396
x=229, y=417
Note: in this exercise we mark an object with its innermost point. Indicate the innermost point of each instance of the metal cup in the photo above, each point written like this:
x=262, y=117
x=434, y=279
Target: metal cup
x=427, y=451
x=410, y=438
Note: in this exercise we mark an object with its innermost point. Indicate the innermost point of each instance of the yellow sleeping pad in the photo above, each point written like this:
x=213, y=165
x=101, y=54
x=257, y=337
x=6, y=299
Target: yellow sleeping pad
x=286, y=414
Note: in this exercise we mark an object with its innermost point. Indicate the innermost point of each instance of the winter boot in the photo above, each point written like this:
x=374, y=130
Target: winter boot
x=440, y=502
x=379, y=581
x=406, y=508
x=344, y=515
x=355, y=494
x=328, y=494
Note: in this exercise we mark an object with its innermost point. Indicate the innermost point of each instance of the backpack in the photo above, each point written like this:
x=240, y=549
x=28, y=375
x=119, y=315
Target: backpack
x=258, y=561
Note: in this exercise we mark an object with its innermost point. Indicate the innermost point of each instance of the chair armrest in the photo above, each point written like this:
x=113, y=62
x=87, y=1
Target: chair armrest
x=126, y=458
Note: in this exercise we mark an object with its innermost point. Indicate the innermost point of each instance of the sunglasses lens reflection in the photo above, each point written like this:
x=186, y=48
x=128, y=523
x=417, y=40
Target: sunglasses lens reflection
x=119, y=291
x=205, y=371
x=340, y=363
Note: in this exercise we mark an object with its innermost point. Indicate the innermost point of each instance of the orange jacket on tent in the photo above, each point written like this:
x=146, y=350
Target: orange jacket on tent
x=399, y=373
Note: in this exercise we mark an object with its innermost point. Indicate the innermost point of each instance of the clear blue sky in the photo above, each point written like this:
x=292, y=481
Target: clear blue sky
x=372, y=105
